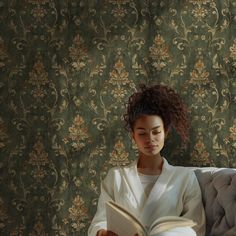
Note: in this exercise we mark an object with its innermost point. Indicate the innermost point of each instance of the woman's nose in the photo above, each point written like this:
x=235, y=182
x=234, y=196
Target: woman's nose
x=150, y=137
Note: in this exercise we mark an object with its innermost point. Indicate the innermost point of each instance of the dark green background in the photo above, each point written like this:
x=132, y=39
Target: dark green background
x=67, y=69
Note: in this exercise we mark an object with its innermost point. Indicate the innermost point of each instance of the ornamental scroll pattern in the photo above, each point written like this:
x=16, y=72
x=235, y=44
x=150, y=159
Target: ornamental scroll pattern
x=67, y=69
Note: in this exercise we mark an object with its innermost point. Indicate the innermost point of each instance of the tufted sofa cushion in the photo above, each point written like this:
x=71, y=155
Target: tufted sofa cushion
x=218, y=187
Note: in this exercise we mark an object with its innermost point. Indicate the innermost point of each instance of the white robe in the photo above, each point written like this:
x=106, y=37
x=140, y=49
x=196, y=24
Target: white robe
x=175, y=193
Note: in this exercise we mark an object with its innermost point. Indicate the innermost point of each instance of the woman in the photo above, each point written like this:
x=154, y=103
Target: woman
x=150, y=187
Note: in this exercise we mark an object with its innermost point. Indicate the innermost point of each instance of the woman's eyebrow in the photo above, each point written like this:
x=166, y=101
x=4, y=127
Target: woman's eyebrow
x=140, y=128
x=155, y=127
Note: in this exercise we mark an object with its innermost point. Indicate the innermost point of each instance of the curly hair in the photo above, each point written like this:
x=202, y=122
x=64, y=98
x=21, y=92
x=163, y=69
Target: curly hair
x=162, y=101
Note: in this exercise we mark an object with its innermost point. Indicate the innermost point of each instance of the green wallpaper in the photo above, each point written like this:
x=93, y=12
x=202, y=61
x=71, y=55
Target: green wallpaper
x=66, y=70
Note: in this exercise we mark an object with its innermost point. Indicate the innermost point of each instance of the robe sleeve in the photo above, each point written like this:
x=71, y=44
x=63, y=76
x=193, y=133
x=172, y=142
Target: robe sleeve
x=107, y=194
x=193, y=206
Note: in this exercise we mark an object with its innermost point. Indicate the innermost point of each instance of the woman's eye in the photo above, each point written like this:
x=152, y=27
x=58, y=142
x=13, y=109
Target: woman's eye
x=156, y=132
x=141, y=134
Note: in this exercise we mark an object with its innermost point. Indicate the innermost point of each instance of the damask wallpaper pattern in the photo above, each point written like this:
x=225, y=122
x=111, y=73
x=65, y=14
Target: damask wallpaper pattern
x=67, y=69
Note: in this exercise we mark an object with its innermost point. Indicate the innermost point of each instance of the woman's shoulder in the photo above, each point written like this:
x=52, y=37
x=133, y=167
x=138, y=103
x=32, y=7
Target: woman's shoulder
x=121, y=169
x=178, y=169
x=184, y=175
x=184, y=171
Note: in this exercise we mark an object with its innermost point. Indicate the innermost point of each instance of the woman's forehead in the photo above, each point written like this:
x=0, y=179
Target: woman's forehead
x=148, y=121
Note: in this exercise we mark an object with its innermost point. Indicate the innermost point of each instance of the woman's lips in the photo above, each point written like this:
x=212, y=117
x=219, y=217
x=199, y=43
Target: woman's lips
x=151, y=146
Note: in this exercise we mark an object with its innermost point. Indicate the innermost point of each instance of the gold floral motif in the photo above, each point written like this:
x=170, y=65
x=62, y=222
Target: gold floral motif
x=119, y=12
x=3, y=134
x=119, y=156
x=77, y=182
x=78, y=214
x=94, y=187
x=38, y=13
x=119, y=94
x=119, y=77
x=199, y=75
x=78, y=53
x=233, y=51
x=78, y=133
x=39, y=174
x=200, y=94
x=230, y=140
x=199, y=12
x=39, y=229
x=159, y=52
x=38, y=76
x=3, y=53
x=38, y=157
x=200, y=156
x=232, y=135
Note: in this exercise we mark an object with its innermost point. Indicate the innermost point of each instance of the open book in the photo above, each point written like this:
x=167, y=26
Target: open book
x=123, y=223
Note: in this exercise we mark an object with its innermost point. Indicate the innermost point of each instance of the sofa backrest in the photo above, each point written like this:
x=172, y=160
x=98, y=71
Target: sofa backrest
x=218, y=186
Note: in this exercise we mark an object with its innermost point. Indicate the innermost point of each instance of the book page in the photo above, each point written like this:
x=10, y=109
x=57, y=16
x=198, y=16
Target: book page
x=122, y=222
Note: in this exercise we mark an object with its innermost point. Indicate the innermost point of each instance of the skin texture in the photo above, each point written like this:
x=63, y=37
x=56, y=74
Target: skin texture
x=149, y=136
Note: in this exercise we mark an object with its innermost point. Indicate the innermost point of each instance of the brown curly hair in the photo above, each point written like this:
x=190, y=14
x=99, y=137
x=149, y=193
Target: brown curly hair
x=162, y=101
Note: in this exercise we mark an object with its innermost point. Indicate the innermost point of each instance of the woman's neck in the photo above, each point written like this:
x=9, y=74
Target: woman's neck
x=149, y=164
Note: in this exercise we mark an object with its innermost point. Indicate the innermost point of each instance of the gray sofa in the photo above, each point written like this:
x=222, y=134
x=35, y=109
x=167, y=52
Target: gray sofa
x=218, y=187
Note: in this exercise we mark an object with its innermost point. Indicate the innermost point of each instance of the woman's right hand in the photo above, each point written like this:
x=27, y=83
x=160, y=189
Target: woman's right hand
x=104, y=232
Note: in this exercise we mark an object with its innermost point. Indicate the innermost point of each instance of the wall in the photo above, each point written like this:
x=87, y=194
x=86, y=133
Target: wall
x=67, y=68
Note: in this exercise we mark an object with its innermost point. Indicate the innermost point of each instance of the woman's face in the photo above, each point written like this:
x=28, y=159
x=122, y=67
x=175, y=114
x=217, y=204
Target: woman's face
x=149, y=135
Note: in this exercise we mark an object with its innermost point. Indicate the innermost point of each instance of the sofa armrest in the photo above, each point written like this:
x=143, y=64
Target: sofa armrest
x=218, y=186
